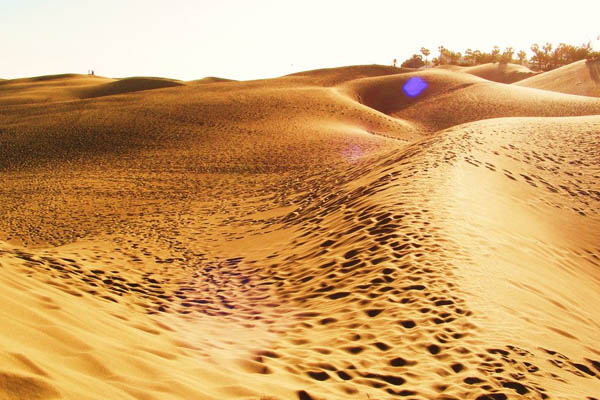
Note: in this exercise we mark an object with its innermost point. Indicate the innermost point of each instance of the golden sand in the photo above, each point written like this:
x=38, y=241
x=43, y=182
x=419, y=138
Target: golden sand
x=497, y=72
x=315, y=236
x=580, y=78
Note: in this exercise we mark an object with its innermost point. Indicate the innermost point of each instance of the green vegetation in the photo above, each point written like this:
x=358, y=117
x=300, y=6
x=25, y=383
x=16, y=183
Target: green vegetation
x=416, y=61
x=544, y=58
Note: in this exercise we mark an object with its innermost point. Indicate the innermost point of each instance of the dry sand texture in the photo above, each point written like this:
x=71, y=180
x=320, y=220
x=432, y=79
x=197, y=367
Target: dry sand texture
x=581, y=78
x=315, y=236
x=497, y=72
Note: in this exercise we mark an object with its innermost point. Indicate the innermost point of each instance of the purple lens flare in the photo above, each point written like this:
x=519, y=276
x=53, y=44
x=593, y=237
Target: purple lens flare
x=414, y=86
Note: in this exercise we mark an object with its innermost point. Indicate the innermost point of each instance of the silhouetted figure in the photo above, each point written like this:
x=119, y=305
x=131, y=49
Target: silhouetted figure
x=92, y=72
x=395, y=61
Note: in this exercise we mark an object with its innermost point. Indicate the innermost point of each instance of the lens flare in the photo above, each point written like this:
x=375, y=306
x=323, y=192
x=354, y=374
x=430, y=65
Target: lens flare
x=353, y=153
x=414, y=86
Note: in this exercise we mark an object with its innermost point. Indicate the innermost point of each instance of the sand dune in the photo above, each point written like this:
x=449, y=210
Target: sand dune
x=315, y=236
x=46, y=89
x=211, y=79
x=386, y=94
x=335, y=76
x=57, y=88
x=452, y=98
x=579, y=78
x=56, y=77
x=127, y=85
x=498, y=72
x=203, y=121
x=449, y=67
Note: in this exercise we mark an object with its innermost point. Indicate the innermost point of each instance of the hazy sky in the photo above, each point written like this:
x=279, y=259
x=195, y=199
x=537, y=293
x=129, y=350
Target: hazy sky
x=262, y=38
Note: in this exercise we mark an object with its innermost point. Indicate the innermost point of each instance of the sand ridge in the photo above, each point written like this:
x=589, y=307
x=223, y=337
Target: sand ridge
x=452, y=98
x=500, y=72
x=127, y=85
x=66, y=87
x=579, y=78
x=210, y=79
x=306, y=237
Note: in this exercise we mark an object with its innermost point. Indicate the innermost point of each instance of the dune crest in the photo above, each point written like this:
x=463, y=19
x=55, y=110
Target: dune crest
x=336, y=76
x=45, y=89
x=127, y=85
x=500, y=72
x=68, y=87
x=211, y=79
x=452, y=98
x=496, y=72
x=580, y=78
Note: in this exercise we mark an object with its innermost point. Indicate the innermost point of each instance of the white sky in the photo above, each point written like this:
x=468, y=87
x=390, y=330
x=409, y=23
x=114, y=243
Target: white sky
x=263, y=38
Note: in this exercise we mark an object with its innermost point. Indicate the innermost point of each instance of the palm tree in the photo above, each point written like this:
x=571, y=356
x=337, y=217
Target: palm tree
x=426, y=53
x=469, y=56
x=507, y=55
x=495, y=53
x=538, y=55
x=547, y=50
x=443, y=52
x=455, y=57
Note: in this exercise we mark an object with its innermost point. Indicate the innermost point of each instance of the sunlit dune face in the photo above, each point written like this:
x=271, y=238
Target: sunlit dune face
x=414, y=86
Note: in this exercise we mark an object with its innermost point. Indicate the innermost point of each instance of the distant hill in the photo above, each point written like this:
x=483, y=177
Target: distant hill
x=335, y=76
x=65, y=87
x=127, y=85
x=47, y=88
x=580, y=78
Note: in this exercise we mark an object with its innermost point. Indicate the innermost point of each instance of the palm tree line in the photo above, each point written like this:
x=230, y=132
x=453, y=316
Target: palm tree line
x=544, y=58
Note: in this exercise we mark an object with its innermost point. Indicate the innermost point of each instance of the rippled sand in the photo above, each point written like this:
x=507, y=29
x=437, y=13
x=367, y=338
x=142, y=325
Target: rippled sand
x=316, y=236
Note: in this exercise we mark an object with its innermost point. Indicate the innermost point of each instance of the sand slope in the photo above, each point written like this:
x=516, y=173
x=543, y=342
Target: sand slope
x=451, y=98
x=57, y=88
x=202, y=121
x=210, y=79
x=127, y=85
x=46, y=89
x=336, y=76
x=298, y=238
x=498, y=72
x=580, y=78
